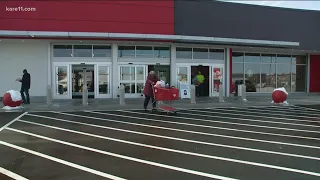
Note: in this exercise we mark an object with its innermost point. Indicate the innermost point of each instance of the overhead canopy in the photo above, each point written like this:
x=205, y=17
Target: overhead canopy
x=174, y=38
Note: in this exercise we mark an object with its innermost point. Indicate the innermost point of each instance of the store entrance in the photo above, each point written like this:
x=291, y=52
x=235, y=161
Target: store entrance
x=205, y=71
x=162, y=72
x=78, y=80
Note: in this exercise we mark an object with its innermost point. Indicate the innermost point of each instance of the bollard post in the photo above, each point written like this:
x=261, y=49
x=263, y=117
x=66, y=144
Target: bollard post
x=221, y=93
x=49, y=95
x=193, y=94
x=244, y=93
x=85, y=95
x=121, y=94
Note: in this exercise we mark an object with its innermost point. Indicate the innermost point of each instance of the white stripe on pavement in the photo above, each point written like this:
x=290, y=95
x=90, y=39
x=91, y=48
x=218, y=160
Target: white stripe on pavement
x=8, y=124
x=187, y=124
x=173, y=129
x=168, y=137
x=92, y=171
x=257, y=116
x=11, y=174
x=176, y=151
x=211, y=114
x=132, y=158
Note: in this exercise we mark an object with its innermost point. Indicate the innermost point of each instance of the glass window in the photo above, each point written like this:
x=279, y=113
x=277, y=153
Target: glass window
x=268, y=58
x=184, y=53
x=252, y=58
x=101, y=51
x=237, y=57
x=284, y=76
x=200, y=53
x=62, y=50
x=144, y=52
x=103, y=79
x=237, y=75
x=61, y=80
x=299, y=74
x=216, y=54
x=252, y=77
x=126, y=51
x=82, y=51
x=283, y=58
x=268, y=77
x=161, y=52
x=299, y=59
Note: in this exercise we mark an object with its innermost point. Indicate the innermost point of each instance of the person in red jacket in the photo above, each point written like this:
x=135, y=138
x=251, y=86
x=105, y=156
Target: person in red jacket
x=148, y=92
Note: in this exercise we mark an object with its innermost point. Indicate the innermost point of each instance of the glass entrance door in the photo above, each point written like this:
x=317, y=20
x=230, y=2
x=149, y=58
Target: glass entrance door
x=183, y=75
x=82, y=74
x=103, y=81
x=133, y=78
x=217, y=74
x=61, y=81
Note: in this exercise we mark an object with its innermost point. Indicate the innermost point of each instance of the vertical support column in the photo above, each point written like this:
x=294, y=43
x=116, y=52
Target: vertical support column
x=308, y=73
x=221, y=93
x=85, y=88
x=228, y=72
x=49, y=95
x=173, y=66
x=114, y=71
x=193, y=93
x=122, y=94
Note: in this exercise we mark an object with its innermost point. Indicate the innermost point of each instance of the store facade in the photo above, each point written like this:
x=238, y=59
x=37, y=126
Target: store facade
x=176, y=45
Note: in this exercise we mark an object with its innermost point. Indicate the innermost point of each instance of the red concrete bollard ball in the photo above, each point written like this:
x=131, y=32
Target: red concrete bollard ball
x=279, y=96
x=7, y=101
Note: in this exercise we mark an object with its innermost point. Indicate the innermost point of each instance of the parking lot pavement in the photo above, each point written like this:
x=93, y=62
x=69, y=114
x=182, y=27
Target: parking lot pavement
x=218, y=143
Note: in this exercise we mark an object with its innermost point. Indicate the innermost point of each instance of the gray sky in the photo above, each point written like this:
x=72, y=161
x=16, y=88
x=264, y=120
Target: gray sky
x=310, y=5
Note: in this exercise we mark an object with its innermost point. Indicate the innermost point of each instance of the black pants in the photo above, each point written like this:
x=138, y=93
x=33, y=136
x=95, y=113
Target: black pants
x=146, y=102
x=25, y=91
x=199, y=90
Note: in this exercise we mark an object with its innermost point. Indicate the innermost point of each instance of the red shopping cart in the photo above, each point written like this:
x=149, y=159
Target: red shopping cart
x=166, y=95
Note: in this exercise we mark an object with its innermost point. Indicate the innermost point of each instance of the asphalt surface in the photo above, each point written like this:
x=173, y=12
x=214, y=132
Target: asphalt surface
x=221, y=143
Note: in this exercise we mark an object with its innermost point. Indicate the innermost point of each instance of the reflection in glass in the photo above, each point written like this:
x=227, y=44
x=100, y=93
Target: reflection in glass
x=62, y=50
x=283, y=59
x=61, y=80
x=182, y=75
x=140, y=73
x=252, y=76
x=216, y=54
x=101, y=51
x=284, y=76
x=268, y=58
x=184, y=53
x=103, y=79
x=237, y=75
x=298, y=78
x=237, y=57
x=82, y=51
x=126, y=51
x=125, y=73
x=252, y=58
x=144, y=52
x=268, y=77
x=162, y=52
x=127, y=88
x=200, y=53
x=140, y=88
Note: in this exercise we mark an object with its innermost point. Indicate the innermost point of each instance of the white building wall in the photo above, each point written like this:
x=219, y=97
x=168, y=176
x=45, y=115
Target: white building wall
x=16, y=55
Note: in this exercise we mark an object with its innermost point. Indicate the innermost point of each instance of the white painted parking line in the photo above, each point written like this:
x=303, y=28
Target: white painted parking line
x=198, y=125
x=308, y=108
x=92, y=171
x=173, y=129
x=140, y=160
x=283, y=111
x=188, y=124
x=8, y=124
x=11, y=174
x=266, y=112
x=211, y=114
x=176, y=151
x=171, y=138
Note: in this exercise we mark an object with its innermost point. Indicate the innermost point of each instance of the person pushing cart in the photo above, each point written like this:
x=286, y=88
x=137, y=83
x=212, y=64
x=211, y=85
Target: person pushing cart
x=148, y=90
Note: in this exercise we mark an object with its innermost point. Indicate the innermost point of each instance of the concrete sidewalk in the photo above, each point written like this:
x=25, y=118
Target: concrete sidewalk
x=113, y=104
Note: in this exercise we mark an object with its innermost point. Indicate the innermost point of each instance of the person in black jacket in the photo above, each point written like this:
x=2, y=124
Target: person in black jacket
x=25, y=86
